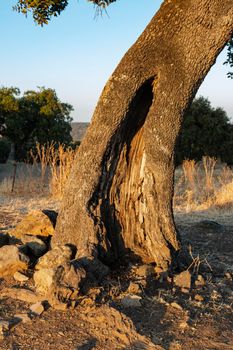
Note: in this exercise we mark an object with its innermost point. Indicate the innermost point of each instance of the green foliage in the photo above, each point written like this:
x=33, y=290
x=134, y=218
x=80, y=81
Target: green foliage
x=229, y=60
x=5, y=148
x=205, y=131
x=8, y=104
x=44, y=10
x=37, y=116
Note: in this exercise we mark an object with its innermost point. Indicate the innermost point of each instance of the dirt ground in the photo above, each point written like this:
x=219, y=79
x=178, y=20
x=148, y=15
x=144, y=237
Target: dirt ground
x=166, y=316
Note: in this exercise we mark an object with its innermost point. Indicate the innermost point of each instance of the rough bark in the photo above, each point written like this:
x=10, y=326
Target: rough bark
x=119, y=196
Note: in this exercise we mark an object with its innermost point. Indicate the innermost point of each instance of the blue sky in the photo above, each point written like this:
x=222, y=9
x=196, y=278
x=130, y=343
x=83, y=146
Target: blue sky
x=76, y=53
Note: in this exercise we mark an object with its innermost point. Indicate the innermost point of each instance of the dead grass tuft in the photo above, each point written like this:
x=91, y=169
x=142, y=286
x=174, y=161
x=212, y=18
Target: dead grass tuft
x=56, y=161
x=60, y=165
x=204, y=185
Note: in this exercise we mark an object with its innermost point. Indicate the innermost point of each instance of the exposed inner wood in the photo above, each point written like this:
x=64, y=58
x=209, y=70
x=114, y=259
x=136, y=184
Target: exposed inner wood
x=125, y=189
x=127, y=193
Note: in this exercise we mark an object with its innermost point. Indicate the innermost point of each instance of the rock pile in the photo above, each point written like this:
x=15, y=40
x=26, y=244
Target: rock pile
x=36, y=223
x=47, y=277
x=55, y=275
x=12, y=259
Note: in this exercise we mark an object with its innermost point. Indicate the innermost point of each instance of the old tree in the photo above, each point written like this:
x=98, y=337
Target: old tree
x=118, y=201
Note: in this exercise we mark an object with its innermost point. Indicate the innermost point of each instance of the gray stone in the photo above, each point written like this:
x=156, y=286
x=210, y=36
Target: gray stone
x=131, y=301
x=20, y=277
x=36, y=246
x=37, y=309
x=24, y=318
x=12, y=260
x=35, y=223
x=45, y=280
x=61, y=278
x=22, y=294
x=54, y=258
x=183, y=280
x=72, y=276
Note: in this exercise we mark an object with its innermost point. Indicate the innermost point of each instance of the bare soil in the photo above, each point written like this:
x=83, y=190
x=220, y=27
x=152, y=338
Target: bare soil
x=101, y=321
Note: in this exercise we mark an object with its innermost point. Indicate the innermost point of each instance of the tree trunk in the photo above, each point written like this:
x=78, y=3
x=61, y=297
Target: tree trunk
x=119, y=197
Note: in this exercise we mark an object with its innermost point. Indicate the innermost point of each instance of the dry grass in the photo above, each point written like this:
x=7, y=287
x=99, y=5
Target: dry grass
x=27, y=180
x=55, y=164
x=209, y=166
x=60, y=165
x=198, y=186
x=45, y=174
x=204, y=185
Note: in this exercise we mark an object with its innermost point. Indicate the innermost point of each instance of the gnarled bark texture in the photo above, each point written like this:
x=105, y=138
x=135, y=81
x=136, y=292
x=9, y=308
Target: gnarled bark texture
x=119, y=196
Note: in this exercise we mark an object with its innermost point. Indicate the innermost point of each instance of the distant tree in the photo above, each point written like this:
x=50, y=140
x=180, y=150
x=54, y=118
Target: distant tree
x=9, y=105
x=205, y=131
x=227, y=146
x=37, y=116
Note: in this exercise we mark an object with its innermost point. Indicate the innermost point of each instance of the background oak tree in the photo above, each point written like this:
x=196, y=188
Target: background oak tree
x=35, y=117
x=206, y=131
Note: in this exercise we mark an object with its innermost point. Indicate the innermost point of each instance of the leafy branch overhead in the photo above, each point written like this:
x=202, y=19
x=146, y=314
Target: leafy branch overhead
x=44, y=10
